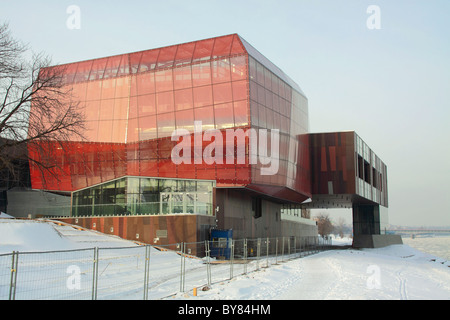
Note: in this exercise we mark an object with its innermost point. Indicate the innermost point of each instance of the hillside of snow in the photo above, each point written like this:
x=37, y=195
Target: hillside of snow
x=396, y=272
x=35, y=235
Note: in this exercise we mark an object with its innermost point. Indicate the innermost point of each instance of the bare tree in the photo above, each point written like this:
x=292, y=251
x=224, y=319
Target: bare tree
x=340, y=227
x=324, y=225
x=36, y=107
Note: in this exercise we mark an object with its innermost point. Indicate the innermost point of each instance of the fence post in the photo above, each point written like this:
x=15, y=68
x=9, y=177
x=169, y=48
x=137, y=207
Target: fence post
x=146, y=271
x=13, y=280
x=258, y=252
x=289, y=247
x=245, y=255
x=182, y=275
x=267, y=253
x=308, y=251
x=295, y=247
x=231, y=257
x=302, y=246
x=276, y=250
x=208, y=262
x=95, y=274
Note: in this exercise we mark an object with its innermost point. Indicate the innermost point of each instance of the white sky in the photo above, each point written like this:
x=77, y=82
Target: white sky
x=390, y=85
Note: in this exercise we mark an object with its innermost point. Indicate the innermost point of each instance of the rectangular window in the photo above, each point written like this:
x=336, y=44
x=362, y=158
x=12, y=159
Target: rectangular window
x=257, y=207
x=366, y=172
x=375, y=178
x=360, y=167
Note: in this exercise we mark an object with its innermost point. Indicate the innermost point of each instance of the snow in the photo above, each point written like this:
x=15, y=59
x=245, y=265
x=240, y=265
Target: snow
x=397, y=272
x=5, y=216
x=36, y=235
x=437, y=244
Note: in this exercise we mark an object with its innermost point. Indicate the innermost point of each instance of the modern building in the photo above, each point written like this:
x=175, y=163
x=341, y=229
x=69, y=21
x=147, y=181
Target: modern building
x=200, y=135
x=346, y=173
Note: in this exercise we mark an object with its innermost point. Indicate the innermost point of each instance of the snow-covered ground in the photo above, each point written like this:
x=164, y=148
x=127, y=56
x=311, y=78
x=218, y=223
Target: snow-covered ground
x=395, y=272
x=438, y=245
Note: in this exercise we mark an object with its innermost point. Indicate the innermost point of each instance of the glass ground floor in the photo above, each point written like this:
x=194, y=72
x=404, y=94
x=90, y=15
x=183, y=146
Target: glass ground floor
x=145, y=196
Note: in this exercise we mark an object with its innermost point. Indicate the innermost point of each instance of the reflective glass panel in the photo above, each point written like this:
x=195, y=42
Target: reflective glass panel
x=203, y=50
x=201, y=74
x=223, y=114
x=164, y=102
x=146, y=105
x=202, y=96
x=182, y=77
x=222, y=46
x=166, y=57
x=148, y=60
x=183, y=99
x=166, y=124
x=163, y=80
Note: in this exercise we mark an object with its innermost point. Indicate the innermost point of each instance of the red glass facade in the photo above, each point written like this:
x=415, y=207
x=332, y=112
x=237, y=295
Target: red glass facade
x=134, y=102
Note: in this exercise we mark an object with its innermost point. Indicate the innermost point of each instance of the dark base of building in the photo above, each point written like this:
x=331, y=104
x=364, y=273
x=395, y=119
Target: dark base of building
x=376, y=240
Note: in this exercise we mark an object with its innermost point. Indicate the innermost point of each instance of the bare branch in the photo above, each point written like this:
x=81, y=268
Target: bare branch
x=36, y=107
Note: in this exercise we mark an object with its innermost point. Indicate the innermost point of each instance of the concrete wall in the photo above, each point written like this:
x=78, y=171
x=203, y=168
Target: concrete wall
x=298, y=229
x=366, y=219
x=24, y=203
x=235, y=212
x=376, y=240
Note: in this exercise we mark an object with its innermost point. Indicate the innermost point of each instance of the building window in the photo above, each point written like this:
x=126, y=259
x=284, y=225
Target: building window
x=367, y=172
x=145, y=196
x=360, y=167
x=257, y=207
x=375, y=178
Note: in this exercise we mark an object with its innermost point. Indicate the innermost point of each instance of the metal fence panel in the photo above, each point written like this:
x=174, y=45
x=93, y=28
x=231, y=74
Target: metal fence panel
x=164, y=276
x=141, y=272
x=121, y=273
x=6, y=273
x=54, y=275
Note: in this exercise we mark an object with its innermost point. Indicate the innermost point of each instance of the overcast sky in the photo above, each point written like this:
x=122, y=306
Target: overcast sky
x=389, y=84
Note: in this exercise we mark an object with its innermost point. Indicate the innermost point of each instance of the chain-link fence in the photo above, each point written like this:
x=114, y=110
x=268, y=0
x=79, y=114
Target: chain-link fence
x=142, y=272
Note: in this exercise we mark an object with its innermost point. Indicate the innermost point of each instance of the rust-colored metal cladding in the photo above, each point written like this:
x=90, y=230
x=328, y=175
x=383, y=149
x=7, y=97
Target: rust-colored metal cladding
x=155, y=230
x=345, y=170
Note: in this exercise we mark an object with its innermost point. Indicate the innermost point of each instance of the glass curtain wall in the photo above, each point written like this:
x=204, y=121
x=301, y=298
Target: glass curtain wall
x=145, y=196
x=133, y=103
x=371, y=175
x=275, y=104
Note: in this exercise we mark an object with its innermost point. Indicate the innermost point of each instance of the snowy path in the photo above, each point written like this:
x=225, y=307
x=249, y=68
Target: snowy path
x=319, y=279
x=370, y=274
x=391, y=273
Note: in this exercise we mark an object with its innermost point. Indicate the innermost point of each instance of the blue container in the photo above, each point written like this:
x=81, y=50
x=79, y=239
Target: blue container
x=220, y=243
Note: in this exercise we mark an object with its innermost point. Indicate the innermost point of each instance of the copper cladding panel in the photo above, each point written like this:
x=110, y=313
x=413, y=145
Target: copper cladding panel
x=165, y=229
